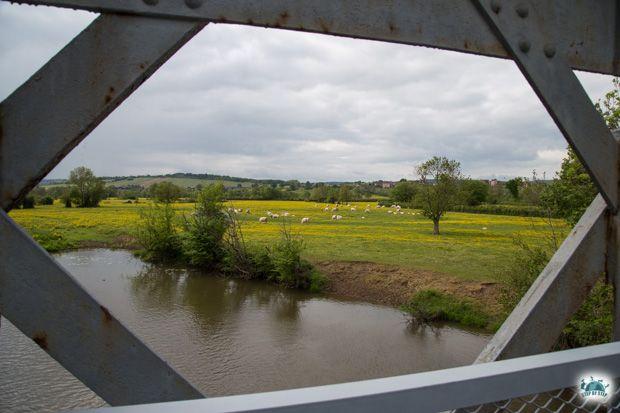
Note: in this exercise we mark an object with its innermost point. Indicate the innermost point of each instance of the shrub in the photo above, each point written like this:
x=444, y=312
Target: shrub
x=205, y=228
x=590, y=325
x=28, y=202
x=428, y=306
x=157, y=233
x=503, y=209
x=46, y=200
x=289, y=268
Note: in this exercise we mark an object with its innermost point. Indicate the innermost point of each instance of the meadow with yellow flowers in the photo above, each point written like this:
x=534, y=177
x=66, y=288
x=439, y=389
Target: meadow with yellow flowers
x=472, y=247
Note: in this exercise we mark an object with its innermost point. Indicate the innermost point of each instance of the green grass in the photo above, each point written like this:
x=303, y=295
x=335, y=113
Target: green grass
x=428, y=306
x=464, y=249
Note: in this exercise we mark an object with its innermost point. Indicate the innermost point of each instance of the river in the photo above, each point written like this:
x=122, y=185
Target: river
x=229, y=336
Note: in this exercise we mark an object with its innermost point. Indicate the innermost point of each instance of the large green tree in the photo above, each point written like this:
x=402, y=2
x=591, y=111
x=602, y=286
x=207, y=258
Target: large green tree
x=86, y=189
x=404, y=191
x=439, y=187
x=165, y=191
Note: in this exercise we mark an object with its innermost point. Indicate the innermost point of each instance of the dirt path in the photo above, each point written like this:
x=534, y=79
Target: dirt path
x=393, y=285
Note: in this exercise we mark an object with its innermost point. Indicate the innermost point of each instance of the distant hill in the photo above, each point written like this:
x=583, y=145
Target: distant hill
x=184, y=180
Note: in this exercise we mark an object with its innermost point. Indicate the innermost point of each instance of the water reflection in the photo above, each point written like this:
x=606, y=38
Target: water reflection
x=230, y=336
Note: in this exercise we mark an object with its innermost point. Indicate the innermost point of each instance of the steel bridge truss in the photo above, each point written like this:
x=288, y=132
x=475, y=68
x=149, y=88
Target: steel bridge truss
x=52, y=112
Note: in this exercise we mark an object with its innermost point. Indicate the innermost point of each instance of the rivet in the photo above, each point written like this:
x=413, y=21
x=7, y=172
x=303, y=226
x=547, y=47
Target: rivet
x=524, y=45
x=549, y=50
x=193, y=4
x=151, y=2
x=495, y=6
x=522, y=10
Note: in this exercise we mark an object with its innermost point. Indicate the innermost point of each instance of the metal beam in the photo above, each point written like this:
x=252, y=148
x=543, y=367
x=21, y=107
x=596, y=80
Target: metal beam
x=539, y=318
x=423, y=392
x=46, y=117
x=48, y=305
x=531, y=32
x=587, y=33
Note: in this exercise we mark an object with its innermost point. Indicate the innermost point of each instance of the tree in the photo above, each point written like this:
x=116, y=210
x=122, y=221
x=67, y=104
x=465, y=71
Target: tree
x=439, y=189
x=513, y=186
x=404, y=191
x=475, y=192
x=609, y=107
x=571, y=191
x=344, y=193
x=86, y=189
x=165, y=192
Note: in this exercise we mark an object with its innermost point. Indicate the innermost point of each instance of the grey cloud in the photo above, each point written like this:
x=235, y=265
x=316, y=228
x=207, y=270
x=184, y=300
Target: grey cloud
x=267, y=103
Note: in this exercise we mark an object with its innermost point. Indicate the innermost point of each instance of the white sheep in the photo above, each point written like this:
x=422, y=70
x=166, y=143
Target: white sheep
x=262, y=220
x=353, y=209
x=334, y=209
x=363, y=217
x=336, y=217
x=285, y=214
x=305, y=220
x=247, y=211
x=275, y=216
x=326, y=209
x=367, y=210
x=389, y=211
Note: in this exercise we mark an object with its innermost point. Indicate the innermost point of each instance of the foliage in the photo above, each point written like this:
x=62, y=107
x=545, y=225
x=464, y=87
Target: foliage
x=591, y=324
x=609, y=106
x=289, y=268
x=28, y=202
x=571, y=191
x=439, y=189
x=86, y=189
x=205, y=228
x=165, y=191
x=404, y=192
x=428, y=306
x=46, y=200
x=475, y=192
x=157, y=233
x=344, y=193
x=502, y=209
x=513, y=186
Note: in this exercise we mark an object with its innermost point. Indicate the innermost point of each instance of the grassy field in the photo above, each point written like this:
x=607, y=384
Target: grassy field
x=472, y=247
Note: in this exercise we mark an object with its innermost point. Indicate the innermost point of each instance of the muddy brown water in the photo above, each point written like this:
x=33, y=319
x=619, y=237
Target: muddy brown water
x=229, y=336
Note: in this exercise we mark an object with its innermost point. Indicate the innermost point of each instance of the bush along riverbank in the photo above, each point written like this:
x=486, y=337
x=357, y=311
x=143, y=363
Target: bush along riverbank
x=211, y=237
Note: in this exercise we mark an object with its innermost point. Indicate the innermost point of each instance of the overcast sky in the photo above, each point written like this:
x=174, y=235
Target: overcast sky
x=266, y=103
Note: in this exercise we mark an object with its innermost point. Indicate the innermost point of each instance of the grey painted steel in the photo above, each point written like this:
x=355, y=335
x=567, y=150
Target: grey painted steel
x=48, y=305
x=46, y=117
x=423, y=392
x=613, y=273
x=535, y=324
x=534, y=40
x=588, y=29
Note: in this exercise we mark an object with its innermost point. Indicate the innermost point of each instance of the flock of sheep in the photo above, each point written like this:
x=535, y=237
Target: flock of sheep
x=394, y=209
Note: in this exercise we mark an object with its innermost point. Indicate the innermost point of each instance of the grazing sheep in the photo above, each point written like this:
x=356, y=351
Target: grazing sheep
x=353, y=209
x=484, y=228
x=363, y=217
x=402, y=213
x=336, y=217
x=367, y=210
x=389, y=211
x=247, y=211
x=305, y=220
x=275, y=216
x=285, y=214
x=262, y=220
x=326, y=209
x=334, y=209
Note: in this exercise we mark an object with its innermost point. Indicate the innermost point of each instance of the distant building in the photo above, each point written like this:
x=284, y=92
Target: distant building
x=493, y=182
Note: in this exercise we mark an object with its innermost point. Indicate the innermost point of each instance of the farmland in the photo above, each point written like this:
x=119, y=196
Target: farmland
x=471, y=247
